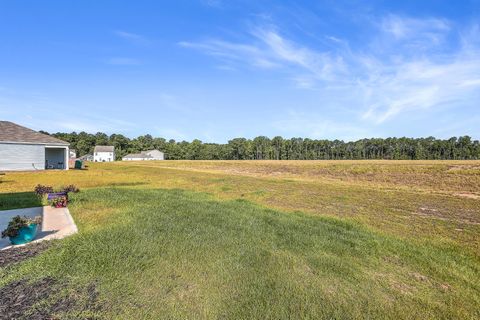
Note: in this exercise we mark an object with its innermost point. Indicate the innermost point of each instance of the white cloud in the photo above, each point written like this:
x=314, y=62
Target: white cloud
x=414, y=35
x=321, y=65
x=407, y=27
x=420, y=85
x=406, y=66
x=470, y=82
x=132, y=37
x=230, y=52
x=270, y=50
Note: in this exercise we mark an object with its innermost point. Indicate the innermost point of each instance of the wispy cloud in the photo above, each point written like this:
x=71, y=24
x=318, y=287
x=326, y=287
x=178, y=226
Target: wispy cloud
x=407, y=28
x=321, y=65
x=132, y=37
x=231, y=53
x=420, y=84
x=409, y=80
x=270, y=50
x=406, y=66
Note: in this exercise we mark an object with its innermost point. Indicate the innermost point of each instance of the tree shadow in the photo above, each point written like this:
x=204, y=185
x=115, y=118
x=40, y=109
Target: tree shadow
x=16, y=200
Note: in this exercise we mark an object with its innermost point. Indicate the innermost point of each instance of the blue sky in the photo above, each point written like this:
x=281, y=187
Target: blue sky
x=215, y=70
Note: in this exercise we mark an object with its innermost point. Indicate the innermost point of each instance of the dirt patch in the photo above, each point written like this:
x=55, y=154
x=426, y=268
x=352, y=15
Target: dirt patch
x=418, y=276
x=463, y=167
x=468, y=195
x=18, y=297
x=19, y=254
x=458, y=217
x=445, y=287
x=42, y=299
x=403, y=288
x=428, y=210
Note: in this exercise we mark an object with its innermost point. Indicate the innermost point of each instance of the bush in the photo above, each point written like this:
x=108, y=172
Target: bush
x=41, y=190
x=70, y=188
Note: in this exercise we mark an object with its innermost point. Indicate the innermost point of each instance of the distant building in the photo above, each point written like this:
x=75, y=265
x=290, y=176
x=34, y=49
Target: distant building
x=145, y=155
x=104, y=153
x=73, y=154
x=25, y=149
x=87, y=157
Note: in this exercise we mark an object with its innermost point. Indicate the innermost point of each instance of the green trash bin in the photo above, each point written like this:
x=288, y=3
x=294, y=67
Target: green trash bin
x=78, y=164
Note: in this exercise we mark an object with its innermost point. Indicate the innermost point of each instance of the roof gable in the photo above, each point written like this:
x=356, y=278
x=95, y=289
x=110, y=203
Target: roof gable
x=12, y=132
x=152, y=152
x=104, y=149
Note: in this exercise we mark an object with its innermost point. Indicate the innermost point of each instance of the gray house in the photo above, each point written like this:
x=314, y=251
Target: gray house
x=25, y=149
x=145, y=155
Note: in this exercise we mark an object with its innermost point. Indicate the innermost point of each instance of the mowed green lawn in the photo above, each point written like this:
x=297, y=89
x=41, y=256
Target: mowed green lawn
x=153, y=250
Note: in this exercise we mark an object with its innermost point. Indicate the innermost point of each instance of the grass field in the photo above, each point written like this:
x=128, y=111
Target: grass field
x=266, y=239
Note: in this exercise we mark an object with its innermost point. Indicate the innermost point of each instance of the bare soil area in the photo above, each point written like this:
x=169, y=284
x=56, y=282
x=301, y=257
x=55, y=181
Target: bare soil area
x=39, y=300
x=19, y=254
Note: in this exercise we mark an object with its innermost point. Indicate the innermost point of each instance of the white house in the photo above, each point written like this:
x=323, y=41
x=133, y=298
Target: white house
x=25, y=149
x=104, y=153
x=73, y=154
x=145, y=155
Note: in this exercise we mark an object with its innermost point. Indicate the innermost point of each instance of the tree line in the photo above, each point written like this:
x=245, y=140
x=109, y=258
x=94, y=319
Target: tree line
x=278, y=148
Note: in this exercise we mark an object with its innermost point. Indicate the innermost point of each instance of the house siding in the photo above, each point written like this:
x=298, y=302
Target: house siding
x=145, y=156
x=21, y=157
x=104, y=156
x=157, y=155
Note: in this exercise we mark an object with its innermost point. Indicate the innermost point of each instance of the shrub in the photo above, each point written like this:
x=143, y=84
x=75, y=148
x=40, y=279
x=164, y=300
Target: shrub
x=70, y=188
x=18, y=223
x=41, y=190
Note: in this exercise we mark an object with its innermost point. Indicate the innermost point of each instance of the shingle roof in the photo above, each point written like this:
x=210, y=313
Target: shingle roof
x=12, y=132
x=104, y=149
